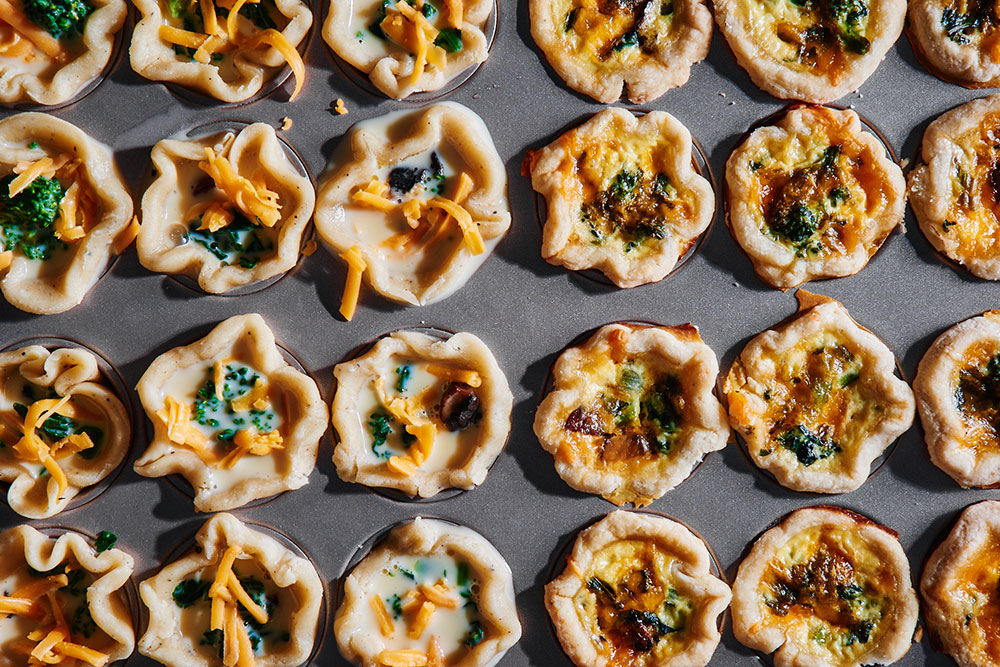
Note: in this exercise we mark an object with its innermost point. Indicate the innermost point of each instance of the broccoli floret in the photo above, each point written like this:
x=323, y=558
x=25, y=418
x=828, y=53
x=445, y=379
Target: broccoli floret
x=959, y=26
x=846, y=16
x=58, y=17
x=798, y=226
x=807, y=446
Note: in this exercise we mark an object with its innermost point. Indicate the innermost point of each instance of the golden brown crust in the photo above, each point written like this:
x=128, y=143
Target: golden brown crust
x=970, y=58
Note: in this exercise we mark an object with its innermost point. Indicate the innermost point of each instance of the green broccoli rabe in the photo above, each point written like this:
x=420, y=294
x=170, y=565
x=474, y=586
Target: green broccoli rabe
x=59, y=18
x=241, y=242
x=960, y=26
x=807, y=446
x=379, y=426
x=847, y=16
x=26, y=219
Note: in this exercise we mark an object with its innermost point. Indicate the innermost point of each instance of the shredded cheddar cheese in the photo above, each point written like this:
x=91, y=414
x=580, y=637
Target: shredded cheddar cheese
x=255, y=398
x=27, y=175
x=127, y=236
x=6, y=257
x=176, y=416
x=257, y=203
x=309, y=248
x=227, y=595
x=340, y=108
x=469, y=377
x=402, y=658
x=374, y=195
x=385, y=624
x=19, y=22
x=271, y=37
x=356, y=266
x=286, y=122
x=401, y=466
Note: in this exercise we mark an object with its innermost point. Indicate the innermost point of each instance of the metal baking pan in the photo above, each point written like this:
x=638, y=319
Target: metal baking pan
x=526, y=310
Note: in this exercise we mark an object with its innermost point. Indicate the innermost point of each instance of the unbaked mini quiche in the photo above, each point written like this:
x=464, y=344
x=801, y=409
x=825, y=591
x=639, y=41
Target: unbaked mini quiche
x=63, y=600
x=828, y=588
x=957, y=40
x=420, y=414
x=605, y=49
x=638, y=591
x=231, y=416
x=64, y=209
x=62, y=427
x=414, y=202
x=623, y=194
x=238, y=598
x=432, y=594
x=631, y=412
x=961, y=599
x=409, y=46
x=226, y=49
x=812, y=196
x=228, y=209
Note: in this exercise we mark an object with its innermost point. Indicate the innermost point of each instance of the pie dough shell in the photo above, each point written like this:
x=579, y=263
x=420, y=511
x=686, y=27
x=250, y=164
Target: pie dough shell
x=967, y=64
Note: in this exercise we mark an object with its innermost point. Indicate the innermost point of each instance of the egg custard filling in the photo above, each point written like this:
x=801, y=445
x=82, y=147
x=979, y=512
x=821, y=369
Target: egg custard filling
x=976, y=591
x=972, y=22
x=976, y=385
x=41, y=37
x=613, y=33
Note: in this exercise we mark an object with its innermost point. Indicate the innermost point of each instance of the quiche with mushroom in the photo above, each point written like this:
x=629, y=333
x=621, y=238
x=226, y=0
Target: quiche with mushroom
x=420, y=414
x=816, y=400
x=638, y=591
x=623, y=194
x=229, y=209
x=409, y=46
x=812, y=196
x=431, y=594
x=631, y=412
x=238, y=598
x=957, y=40
x=826, y=587
x=231, y=416
x=64, y=210
x=415, y=201
x=607, y=48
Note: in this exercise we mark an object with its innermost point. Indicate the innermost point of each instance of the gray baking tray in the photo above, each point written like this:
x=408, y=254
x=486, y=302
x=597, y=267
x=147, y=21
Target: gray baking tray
x=526, y=310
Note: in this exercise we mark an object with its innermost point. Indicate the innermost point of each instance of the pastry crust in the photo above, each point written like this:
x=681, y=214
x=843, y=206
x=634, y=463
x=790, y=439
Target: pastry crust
x=812, y=196
x=605, y=49
x=816, y=400
x=292, y=576
x=247, y=67
x=291, y=394
x=585, y=175
x=23, y=547
x=490, y=586
x=958, y=588
x=949, y=189
x=361, y=380
x=771, y=40
x=632, y=413
x=66, y=372
x=390, y=65
x=431, y=269
x=964, y=55
x=859, y=573
x=68, y=275
x=255, y=151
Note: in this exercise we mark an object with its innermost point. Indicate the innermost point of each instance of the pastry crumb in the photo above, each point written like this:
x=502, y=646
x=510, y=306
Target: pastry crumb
x=309, y=248
x=338, y=107
x=722, y=94
x=286, y=124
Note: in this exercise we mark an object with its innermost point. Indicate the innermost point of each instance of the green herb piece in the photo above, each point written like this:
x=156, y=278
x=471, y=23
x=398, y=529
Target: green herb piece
x=404, y=375
x=105, y=540
x=240, y=242
x=190, y=591
x=33, y=145
x=807, y=446
x=859, y=632
x=947, y=224
x=476, y=634
x=449, y=39
x=396, y=604
x=58, y=17
x=462, y=574
x=601, y=587
x=428, y=10
x=82, y=623
x=571, y=16
x=378, y=426
x=849, y=378
x=406, y=573
x=629, y=39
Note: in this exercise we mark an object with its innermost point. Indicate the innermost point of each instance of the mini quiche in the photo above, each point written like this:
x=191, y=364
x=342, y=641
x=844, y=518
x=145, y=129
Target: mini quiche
x=826, y=587
x=228, y=209
x=624, y=196
x=63, y=601
x=231, y=416
x=50, y=51
x=431, y=594
x=226, y=49
x=421, y=414
x=414, y=201
x=631, y=412
x=239, y=597
x=812, y=196
x=816, y=400
x=960, y=591
x=638, y=591
x=953, y=191
x=810, y=50
x=604, y=48
x=409, y=46
x=957, y=40
x=62, y=429
x=64, y=210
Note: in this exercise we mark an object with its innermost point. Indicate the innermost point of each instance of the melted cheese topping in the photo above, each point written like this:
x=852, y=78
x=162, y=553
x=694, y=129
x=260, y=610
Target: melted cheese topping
x=410, y=32
x=975, y=594
x=976, y=391
x=609, y=35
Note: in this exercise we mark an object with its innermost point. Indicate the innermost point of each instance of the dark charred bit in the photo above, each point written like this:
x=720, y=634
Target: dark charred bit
x=641, y=443
x=995, y=180
x=437, y=169
x=202, y=185
x=404, y=179
x=459, y=406
x=584, y=421
x=643, y=630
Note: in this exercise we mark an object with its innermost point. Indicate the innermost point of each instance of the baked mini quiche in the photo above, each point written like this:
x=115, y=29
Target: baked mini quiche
x=957, y=40
x=409, y=46
x=816, y=400
x=961, y=599
x=231, y=416
x=430, y=594
x=631, y=412
x=226, y=49
x=953, y=191
x=414, y=202
x=638, y=591
x=51, y=50
x=812, y=196
x=623, y=196
x=810, y=50
x=62, y=427
x=420, y=414
x=228, y=209
x=826, y=587
x=63, y=600
x=64, y=210
x=606, y=49
x=238, y=598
